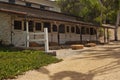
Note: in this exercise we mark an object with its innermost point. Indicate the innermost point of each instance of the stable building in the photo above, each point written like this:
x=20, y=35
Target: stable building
x=62, y=28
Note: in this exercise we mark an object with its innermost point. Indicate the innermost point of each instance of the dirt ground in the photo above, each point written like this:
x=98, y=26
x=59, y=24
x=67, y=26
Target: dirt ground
x=96, y=63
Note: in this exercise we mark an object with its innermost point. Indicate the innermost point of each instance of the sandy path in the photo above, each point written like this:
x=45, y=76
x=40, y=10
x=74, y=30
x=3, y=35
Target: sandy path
x=99, y=63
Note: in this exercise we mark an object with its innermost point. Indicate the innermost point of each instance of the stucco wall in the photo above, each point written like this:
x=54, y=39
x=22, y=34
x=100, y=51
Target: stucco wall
x=5, y=27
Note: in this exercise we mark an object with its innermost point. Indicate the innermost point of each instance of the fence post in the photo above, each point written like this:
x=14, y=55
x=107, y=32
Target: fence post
x=27, y=33
x=46, y=40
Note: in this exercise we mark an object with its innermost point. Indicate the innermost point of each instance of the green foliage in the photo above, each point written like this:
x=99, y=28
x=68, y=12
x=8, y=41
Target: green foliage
x=96, y=11
x=14, y=62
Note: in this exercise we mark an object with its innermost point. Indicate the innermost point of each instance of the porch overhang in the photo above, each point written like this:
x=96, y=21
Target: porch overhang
x=108, y=26
x=12, y=11
x=30, y=15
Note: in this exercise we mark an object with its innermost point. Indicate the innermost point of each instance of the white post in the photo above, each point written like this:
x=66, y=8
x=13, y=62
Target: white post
x=27, y=32
x=46, y=40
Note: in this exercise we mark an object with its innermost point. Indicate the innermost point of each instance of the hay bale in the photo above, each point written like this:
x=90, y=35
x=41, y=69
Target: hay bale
x=77, y=46
x=90, y=45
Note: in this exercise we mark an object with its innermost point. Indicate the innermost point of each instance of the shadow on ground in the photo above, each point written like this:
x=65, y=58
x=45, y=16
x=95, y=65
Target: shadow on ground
x=105, y=52
x=95, y=54
x=71, y=75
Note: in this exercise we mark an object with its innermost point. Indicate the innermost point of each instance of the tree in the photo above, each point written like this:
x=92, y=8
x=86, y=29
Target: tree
x=96, y=11
x=89, y=10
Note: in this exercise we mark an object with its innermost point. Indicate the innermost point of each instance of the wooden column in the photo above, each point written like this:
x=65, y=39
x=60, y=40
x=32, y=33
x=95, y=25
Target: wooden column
x=90, y=34
x=104, y=35
x=96, y=35
x=27, y=33
x=107, y=35
x=46, y=40
x=51, y=24
x=81, y=34
x=58, y=34
x=42, y=26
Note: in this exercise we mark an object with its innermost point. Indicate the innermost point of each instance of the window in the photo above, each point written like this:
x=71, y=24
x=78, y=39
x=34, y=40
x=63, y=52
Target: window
x=38, y=26
x=18, y=25
x=62, y=28
x=83, y=30
x=30, y=24
x=95, y=32
x=72, y=29
x=54, y=28
x=87, y=31
x=42, y=7
x=77, y=30
x=28, y=4
x=68, y=29
x=47, y=25
x=12, y=1
x=24, y=26
x=92, y=31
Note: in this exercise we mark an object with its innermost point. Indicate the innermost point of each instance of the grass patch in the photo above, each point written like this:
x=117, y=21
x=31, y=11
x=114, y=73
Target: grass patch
x=14, y=62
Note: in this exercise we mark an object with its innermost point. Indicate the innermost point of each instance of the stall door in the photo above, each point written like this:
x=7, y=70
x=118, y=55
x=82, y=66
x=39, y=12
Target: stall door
x=61, y=34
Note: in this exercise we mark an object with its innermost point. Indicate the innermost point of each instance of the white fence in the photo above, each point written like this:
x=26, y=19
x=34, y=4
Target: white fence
x=45, y=39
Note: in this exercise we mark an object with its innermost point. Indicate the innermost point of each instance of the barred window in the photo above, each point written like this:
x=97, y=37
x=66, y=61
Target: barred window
x=72, y=29
x=18, y=25
x=77, y=30
x=54, y=28
x=68, y=29
x=83, y=30
x=62, y=28
x=30, y=24
x=12, y=1
x=47, y=25
x=38, y=26
x=87, y=31
x=92, y=31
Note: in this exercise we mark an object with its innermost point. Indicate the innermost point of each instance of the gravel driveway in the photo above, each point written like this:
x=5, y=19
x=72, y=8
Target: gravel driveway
x=96, y=63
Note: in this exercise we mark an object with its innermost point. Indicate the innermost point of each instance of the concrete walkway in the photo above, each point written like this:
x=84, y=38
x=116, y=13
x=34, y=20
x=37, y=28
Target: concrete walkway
x=97, y=63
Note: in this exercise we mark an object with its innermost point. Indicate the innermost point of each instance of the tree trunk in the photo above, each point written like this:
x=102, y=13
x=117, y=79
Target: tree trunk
x=117, y=24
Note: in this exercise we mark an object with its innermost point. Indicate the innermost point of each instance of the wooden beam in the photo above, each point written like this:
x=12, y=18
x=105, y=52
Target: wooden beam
x=39, y=33
x=37, y=40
